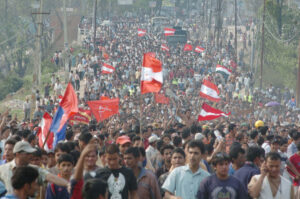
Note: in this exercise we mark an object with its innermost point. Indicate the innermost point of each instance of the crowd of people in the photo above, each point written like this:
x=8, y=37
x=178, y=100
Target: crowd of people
x=152, y=150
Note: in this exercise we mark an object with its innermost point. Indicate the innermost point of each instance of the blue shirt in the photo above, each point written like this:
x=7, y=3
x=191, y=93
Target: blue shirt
x=182, y=182
x=214, y=188
x=9, y=196
x=245, y=173
x=231, y=170
x=54, y=191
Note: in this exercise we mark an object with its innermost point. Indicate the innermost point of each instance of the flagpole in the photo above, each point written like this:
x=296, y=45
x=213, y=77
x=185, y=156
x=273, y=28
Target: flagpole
x=46, y=139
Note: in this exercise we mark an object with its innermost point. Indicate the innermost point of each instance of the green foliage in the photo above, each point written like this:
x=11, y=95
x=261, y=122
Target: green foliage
x=281, y=45
x=11, y=83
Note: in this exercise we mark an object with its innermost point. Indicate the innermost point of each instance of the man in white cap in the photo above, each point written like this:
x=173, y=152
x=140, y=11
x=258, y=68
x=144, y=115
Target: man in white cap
x=23, y=153
x=151, y=152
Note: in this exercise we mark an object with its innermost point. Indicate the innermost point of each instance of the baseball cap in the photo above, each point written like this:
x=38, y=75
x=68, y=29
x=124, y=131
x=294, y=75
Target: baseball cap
x=123, y=140
x=23, y=146
x=153, y=138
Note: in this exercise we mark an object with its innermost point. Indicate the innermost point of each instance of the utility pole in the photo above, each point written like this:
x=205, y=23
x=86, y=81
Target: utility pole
x=252, y=50
x=218, y=23
x=38, y=45
x=66, y=44
x=262, y=45
x=298, y=78
x=36, y=80
x=95, y=23
x=235, y=31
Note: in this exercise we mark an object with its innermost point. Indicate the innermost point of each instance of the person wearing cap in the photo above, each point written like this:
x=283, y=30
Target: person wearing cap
x=221, y=184
x=151, y=151
x=22, y=152
x=124, y=143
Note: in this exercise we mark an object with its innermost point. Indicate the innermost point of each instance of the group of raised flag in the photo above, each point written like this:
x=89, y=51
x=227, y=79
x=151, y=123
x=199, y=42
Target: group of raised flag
x=52, y=130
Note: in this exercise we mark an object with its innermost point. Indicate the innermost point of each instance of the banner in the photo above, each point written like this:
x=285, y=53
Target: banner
x=83, y=116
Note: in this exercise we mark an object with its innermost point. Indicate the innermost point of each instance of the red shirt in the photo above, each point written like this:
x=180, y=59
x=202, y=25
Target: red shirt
x=76, y=189
x=295, y=160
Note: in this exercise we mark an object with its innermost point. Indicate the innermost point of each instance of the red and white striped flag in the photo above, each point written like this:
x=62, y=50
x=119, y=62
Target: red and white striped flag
x=141, y=32
x=199, y=49
x=169, y=31
x=107, y=69
x=151, y=75
x=210, y=91
x=44, y=128
x=164, y=47
x=210, y=113
x=223, y=70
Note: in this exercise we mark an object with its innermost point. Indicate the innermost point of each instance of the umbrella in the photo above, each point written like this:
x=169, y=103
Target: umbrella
x=272, y=103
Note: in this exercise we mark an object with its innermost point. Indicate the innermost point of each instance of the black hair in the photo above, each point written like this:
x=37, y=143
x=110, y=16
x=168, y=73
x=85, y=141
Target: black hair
x=159, y=144
x=75, y=154
x=219, y=158
x=112, y=149
x=101, y=136
x=23, y=175
x=166, y=136
x=177, y=141
x=30, y=138
x=186, y=133
x=178, y=150
x=61, y=147
x=134, y=151
x=165, y=147
x=260, y=140
x=240, y=136
x=37, y=153
x=253, y=152
x=273, y=156
x=65, y=158
x=10, y=141
x=284, y=141
x=93, y=188
x=253, y=134
x=263, y=130
x=69, y=134
x=85, y=137
x=26, y=133
x=234, y=152
x=231, y=127
x=142, y=151
x=136, y=138
x=198, y=144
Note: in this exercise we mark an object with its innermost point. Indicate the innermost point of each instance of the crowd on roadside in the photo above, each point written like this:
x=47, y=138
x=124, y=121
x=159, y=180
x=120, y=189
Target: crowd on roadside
x=153, y=150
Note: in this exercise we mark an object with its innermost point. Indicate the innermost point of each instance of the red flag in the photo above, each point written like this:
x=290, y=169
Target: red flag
x=44, y=128
x=103, y=109
x=164, y=47
x=188, y=47
x=69, y=104
x=107, y=69
x=141, y=32
x=151, y=75
x=161, y=98
x=83, y=116
x=199, y=49
x=169, y=31
x=104, y=98
x=210, y=91
x=210, y=113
